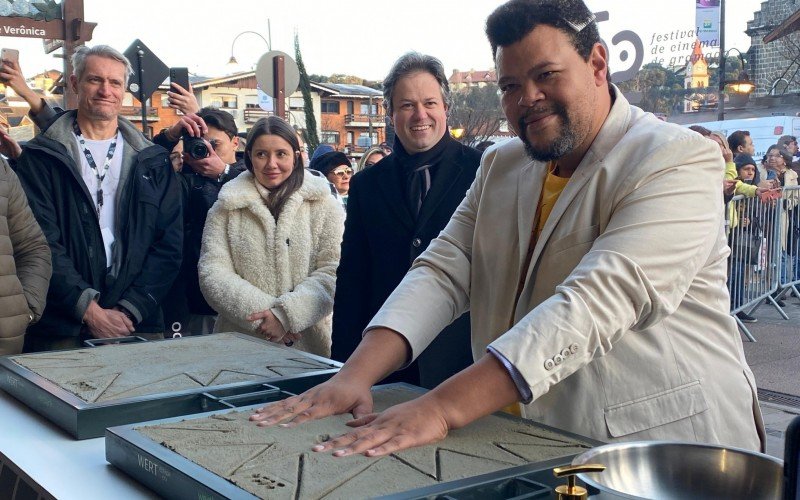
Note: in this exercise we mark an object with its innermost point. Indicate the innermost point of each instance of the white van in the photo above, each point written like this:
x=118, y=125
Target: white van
x=764, y=131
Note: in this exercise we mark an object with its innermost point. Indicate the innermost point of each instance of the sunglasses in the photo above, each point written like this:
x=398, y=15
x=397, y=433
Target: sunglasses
x=342, y=172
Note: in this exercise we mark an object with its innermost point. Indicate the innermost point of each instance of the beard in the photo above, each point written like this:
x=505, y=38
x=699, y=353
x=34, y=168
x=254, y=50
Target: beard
x=562, y=145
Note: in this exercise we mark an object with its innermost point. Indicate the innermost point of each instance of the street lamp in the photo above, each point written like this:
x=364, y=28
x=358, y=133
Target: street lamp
x=741, y=86
x=232, y=61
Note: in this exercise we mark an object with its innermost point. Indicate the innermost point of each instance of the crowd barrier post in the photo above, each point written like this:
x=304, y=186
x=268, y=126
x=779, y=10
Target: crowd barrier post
x=754, y=266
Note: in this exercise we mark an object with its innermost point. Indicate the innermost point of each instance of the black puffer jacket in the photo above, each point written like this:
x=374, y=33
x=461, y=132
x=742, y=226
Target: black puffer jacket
x=149, y=232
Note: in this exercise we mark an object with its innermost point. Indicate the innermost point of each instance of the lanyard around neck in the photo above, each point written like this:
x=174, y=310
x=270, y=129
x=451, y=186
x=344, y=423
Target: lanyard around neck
x=93, y=165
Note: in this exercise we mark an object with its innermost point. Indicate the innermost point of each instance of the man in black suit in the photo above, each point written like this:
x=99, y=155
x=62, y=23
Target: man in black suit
x=396, y=208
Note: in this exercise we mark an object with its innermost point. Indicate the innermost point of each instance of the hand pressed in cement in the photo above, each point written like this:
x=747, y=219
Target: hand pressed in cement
x=415, y=423
x=333, y=397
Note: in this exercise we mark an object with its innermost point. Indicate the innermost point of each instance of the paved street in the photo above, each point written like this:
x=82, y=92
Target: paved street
x=775, y=360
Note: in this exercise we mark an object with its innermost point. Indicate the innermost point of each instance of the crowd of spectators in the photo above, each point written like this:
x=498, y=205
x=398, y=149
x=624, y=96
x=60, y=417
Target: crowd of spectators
x=196, y=299
x=444, y=273
x=750, y=224
x=191, y=237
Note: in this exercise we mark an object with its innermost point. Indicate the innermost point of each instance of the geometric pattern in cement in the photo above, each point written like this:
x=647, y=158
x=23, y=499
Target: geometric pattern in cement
x=112, y=372
x=276, y=462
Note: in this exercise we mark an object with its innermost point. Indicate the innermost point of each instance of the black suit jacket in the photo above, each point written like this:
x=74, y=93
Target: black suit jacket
x=381, y=241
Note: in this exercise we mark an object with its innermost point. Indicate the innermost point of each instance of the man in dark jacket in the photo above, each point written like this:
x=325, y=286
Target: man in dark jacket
x=201, y=180
x=396, y=208
x=108, y=203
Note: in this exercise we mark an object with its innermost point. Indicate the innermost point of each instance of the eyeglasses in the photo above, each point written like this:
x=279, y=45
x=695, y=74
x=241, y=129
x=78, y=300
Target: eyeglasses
x=342, y=172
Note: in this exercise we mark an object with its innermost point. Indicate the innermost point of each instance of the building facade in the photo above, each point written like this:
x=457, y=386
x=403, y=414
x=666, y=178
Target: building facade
x=775, y=65
x=352, y=117
x=696, y=77
x=460, y=80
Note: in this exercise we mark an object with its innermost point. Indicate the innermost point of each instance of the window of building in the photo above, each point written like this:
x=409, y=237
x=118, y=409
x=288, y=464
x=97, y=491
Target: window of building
x=164, y=100
x=364, y=140
x=349, y=138
x=365, y=110
x=330, y=107
x=350, y=107
x=224, y=101
x=329, y=137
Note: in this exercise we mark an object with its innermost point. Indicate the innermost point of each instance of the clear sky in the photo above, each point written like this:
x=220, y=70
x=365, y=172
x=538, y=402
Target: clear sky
x=360, y=37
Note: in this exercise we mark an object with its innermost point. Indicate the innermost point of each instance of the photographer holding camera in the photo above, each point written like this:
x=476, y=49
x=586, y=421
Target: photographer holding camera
x=209, y=161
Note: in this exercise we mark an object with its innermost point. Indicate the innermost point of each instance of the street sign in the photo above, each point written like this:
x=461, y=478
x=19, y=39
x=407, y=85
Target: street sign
x=148, y=70
x=30, y=28
x=148, y=73
x=52, y=44
x=265, y=74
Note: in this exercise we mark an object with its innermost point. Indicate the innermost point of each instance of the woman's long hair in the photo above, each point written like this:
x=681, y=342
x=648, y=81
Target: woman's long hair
x=273, y=125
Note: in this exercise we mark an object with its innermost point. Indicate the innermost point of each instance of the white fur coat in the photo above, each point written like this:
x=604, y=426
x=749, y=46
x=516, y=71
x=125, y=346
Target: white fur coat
x=250, y=263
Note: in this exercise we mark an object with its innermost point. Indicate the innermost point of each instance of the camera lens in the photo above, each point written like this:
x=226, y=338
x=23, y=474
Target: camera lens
x=195, y=147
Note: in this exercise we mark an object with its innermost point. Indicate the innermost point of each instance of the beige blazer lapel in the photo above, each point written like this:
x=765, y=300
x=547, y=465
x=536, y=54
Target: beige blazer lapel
x=583, y=173
x=529, y=188
x=612, y=131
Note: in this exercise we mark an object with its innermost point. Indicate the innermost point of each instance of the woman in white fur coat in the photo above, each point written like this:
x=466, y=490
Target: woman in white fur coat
x=271, y=246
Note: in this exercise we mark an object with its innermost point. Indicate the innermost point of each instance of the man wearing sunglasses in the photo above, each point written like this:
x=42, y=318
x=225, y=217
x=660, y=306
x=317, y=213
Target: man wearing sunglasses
x=202, y=178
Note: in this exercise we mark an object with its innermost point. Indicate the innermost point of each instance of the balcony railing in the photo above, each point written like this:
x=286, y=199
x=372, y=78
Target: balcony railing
x=136, y=111
x=355, y=150
x=363, y=120
x=252, y=115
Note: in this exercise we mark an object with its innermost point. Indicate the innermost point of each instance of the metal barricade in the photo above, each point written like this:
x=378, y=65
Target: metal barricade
x=790, y=242
x=754, y=229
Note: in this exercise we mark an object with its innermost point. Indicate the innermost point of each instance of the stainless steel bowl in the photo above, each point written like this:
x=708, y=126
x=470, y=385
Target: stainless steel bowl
x=670, y=470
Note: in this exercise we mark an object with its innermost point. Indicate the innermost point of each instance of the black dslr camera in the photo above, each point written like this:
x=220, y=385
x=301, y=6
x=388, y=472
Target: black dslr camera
x=194, y=146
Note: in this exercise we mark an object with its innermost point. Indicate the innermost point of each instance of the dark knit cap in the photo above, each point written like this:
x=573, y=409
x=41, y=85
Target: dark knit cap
x=326, y=162
x=743, y=159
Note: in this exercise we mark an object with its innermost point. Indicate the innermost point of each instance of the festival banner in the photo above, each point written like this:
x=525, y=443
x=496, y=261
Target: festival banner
x=707, y=22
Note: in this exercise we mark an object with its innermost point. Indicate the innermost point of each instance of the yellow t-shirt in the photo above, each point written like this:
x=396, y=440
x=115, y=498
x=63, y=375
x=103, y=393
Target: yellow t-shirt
x=552, y=189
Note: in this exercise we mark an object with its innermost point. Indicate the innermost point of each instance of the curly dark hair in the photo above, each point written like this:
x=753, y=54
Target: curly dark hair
x=513, y=20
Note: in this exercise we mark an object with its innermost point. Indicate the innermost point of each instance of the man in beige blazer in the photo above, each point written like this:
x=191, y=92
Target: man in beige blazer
x=591, y=254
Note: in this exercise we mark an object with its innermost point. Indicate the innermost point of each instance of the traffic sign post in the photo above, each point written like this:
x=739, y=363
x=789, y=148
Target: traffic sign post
x=148, y=73
x=278, y=69
x=277, y=75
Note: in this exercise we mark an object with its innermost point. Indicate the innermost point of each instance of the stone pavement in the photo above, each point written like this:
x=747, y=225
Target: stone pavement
x=775, y=361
